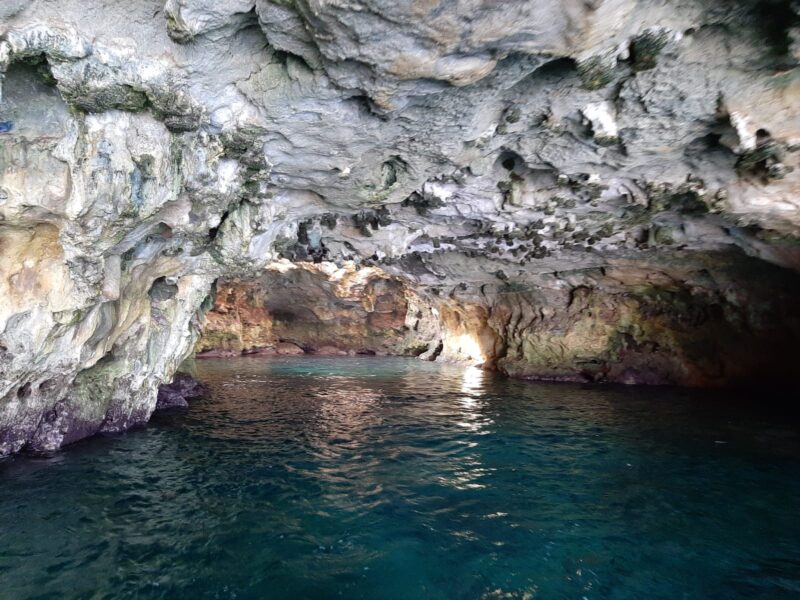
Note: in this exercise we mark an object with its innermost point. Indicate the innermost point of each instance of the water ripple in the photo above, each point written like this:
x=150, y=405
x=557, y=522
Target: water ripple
x=390, y=478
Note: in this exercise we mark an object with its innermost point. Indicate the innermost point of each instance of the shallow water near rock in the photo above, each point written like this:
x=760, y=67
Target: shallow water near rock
x=393, y=478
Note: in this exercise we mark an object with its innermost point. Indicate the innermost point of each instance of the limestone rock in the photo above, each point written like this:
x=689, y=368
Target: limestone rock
x=603, y=190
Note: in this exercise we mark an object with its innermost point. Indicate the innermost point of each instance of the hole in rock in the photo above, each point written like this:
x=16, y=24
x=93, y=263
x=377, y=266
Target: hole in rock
x=48, y=385
x=557, y=68
x=30, y=103
x=510, y=160
x=392, y=169
x=776, y=19
x=162, y=289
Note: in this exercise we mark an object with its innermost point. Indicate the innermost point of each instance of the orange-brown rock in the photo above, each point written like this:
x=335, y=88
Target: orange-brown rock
x=238, y=323
x=321, y=308
x=635, y=323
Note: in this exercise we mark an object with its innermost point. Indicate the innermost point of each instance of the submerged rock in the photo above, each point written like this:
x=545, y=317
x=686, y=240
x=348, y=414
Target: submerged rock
x=330, y=351
x=288, y=348
x=179, y=392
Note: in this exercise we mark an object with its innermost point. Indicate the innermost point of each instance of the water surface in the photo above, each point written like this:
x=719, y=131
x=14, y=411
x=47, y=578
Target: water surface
x=391, y=478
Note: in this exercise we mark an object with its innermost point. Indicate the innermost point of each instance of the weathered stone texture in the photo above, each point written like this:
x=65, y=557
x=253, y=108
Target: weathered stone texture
x=566, y=189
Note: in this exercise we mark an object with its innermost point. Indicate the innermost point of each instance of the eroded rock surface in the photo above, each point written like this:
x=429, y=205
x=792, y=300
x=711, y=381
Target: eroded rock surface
x=316, y=308
x=606, y=190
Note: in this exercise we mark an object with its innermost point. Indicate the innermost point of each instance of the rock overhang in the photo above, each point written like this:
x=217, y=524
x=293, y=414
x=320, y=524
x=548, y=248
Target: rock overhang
x=604, y=193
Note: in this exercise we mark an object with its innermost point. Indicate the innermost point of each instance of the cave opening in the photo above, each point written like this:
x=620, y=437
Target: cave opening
x=399, y=300
x=730, y=324
x=309, y=307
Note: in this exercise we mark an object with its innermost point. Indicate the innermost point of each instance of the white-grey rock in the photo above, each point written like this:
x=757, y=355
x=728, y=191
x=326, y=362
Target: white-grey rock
x=147, y=149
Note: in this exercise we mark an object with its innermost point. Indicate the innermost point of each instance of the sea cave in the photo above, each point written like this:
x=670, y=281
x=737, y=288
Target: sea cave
x=412, y=299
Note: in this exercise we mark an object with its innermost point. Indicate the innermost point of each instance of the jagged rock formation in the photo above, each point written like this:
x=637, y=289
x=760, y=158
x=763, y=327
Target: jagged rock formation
x=606, y=189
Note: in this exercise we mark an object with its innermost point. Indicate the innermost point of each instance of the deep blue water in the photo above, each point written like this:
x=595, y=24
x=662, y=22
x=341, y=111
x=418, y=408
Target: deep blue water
x=391, y=478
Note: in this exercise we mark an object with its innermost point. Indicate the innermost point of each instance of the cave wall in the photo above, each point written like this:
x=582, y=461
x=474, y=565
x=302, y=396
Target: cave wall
x=719, y=322
x=321, y=309
x=495, y=157
x=714, y=320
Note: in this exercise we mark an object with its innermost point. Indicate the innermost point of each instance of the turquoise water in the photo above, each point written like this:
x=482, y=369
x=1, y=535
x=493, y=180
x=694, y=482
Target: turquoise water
x=392, y=478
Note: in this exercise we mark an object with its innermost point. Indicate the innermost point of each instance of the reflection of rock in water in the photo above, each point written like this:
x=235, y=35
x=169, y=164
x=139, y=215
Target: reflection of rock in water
x=397, y=478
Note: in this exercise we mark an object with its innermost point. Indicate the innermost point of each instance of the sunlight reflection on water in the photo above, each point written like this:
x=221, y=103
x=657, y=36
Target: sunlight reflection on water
x=390, y=478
